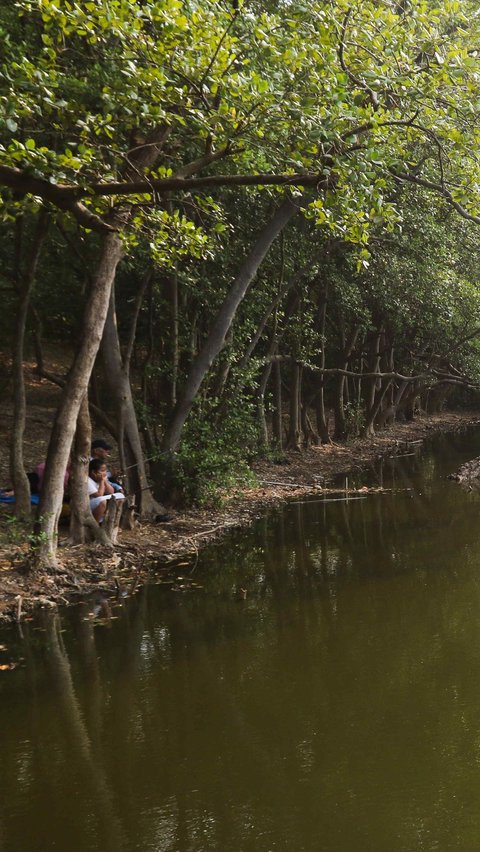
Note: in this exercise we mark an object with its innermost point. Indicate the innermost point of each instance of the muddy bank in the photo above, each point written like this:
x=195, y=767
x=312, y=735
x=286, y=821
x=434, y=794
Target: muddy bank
x=169, y=550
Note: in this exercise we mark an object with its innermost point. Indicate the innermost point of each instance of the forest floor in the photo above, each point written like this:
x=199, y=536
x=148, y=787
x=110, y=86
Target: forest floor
x=157, y=551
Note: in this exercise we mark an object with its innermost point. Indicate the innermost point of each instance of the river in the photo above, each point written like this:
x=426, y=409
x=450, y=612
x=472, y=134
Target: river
x=311, y=683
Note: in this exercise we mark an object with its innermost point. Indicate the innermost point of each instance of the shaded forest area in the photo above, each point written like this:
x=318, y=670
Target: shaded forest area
x=251, y=229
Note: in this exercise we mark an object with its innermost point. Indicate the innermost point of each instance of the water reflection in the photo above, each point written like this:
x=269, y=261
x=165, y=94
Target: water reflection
x=335, y=707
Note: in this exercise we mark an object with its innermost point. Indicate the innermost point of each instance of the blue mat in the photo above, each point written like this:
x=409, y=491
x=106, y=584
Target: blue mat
x=5, y=498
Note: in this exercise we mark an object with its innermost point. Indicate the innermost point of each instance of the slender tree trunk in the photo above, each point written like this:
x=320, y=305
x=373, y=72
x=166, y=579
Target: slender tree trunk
x=368, y=429
x=242, y=364
x=371, y=408
x=171, y=295
x=275, y=339
x=118, y=379
x=118, y=371
x=309, y=434
x=277, y=422
x=223, y=368
x=73, y=393
x=225, y=317
x=293, y=441
x=322, y=420
x=25, y=282
x=81, y=518
x=347, y=346
x=387, y=412
x=262, y=420
x=79, y=376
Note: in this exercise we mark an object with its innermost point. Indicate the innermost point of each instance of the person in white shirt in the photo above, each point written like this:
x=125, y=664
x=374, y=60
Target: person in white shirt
x=101, y=450
x=100, y=489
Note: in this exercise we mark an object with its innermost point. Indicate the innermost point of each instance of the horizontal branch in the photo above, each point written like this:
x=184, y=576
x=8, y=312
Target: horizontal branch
x=338, y=371
x=441, y=377
x=162, y=185
x=67, y=196
x=351, y=374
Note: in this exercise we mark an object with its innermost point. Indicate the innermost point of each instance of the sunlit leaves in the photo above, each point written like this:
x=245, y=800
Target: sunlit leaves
x=349, y=91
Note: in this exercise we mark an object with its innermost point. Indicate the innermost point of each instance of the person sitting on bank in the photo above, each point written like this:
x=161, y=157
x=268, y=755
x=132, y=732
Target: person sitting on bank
x=36, y=480
x=100, y=449
x=100, y=489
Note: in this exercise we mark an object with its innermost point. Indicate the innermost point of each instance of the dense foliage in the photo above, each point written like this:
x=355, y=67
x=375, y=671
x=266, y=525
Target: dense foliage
x=187, y=130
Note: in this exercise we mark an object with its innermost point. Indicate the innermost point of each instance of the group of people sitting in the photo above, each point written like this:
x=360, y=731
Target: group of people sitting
x=102, y=485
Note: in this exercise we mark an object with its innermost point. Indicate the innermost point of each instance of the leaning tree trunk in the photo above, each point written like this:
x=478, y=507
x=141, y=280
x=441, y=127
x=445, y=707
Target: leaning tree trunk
x=117, y=375
x=79, y=376
x=25, y=282
x=274, y=345
x=118, y=371
x=73, y=393
x=225, y=317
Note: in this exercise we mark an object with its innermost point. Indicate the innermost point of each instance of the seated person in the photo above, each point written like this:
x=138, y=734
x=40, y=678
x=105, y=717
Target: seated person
x=39, y=473
x=35, y=480
x=100, y=489
x=101, y=450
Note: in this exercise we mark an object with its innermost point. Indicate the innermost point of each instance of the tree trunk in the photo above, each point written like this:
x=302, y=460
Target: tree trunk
x=293, y=441
x=262, y=420
x=310, y=436
x=223, y=368
x=73, y=393
x=79, y=376
x=386, y=412
x=81, y=518
x=171, y=296
x=322, y=420
x=340, y=427
x=118, y=371
x=225, y=317
x=277, y=422
x=368, y=429
x=371, y=408
x=118, y=379
x=25, y=282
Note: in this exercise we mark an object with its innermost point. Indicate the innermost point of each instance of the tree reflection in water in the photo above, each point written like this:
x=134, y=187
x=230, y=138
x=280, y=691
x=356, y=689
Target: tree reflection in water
x=340, y=695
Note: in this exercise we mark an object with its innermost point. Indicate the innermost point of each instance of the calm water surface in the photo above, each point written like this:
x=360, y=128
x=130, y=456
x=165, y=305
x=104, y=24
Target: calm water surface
x=336, y=708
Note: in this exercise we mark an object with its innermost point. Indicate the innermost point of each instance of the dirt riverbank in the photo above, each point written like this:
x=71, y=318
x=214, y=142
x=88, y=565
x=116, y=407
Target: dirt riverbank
x=155, y=550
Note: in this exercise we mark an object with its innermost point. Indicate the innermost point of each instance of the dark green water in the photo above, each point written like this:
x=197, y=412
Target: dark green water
x=336, y=708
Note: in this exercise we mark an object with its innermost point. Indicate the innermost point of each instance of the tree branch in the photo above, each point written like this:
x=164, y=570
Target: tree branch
x=438, y=188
